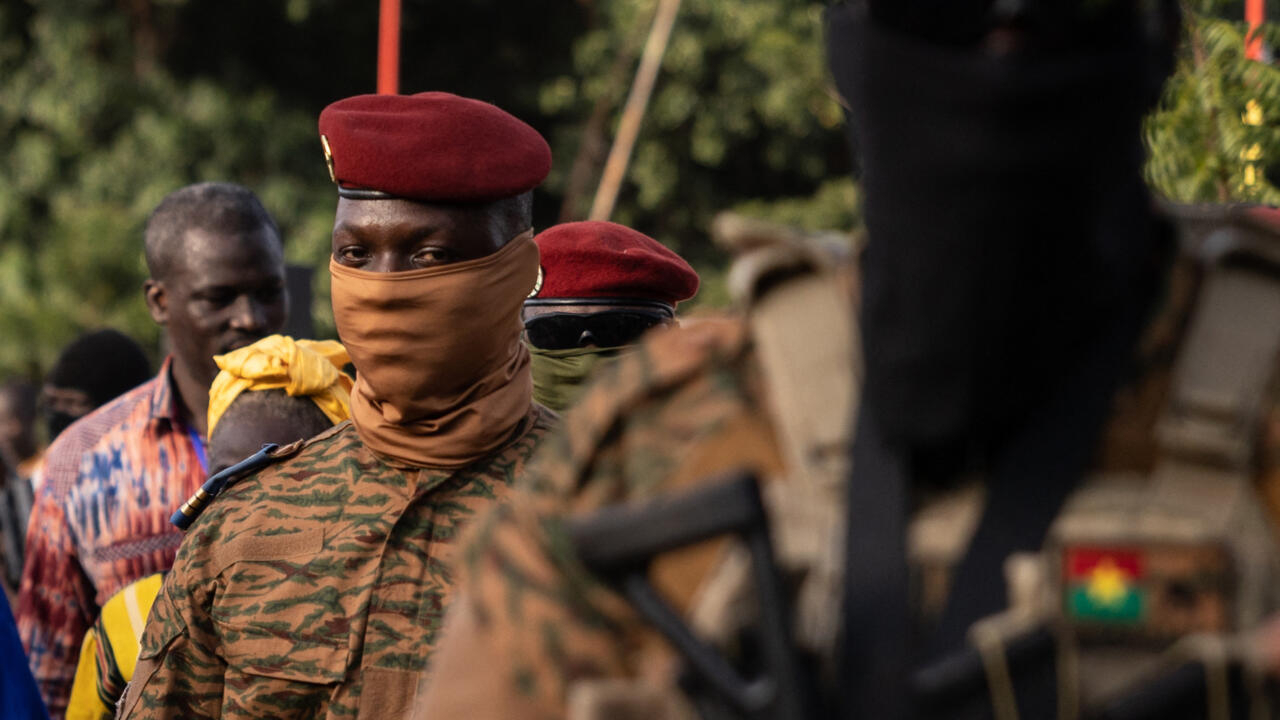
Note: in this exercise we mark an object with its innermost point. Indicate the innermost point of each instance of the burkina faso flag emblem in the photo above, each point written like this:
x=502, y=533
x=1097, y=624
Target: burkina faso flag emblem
x=1103, y=585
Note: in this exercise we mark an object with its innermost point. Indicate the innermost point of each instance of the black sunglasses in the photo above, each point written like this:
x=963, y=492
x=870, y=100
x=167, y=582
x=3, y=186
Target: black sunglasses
x=611, y=328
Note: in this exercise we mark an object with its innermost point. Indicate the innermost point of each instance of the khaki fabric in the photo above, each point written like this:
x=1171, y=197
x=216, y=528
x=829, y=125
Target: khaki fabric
x=442, y=376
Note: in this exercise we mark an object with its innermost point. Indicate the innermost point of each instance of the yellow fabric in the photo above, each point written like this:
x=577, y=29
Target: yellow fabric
x=310, y=368
x=85, y=703
x=122, y=619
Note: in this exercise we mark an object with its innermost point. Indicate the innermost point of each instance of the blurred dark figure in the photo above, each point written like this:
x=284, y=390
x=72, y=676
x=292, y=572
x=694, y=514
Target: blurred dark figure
x=96, y=367
x=1013, y=260
x=19, y=454
x=19, y=447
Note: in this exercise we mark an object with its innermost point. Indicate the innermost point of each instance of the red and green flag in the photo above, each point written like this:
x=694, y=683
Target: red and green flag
x=1103, y=585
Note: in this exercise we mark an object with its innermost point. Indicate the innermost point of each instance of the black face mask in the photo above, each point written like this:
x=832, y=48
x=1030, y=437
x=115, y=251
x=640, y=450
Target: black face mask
x=57, y=421
x=1006, y=214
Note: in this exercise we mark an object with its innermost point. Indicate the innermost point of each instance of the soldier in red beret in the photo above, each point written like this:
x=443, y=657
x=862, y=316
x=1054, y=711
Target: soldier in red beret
x=315, y=586
x=601, y=286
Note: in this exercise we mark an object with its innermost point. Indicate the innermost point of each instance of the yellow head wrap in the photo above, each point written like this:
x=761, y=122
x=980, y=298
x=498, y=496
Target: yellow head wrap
x=310, y=368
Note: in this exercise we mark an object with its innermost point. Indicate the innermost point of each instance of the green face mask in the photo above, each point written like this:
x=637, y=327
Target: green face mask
x=558, y=375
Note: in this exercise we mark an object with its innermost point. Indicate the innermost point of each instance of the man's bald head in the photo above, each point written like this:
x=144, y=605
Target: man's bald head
x=217, y=208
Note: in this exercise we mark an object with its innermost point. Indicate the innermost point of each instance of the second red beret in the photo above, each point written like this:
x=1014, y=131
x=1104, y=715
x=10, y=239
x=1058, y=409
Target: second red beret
x=431, y=147
x=605, y=260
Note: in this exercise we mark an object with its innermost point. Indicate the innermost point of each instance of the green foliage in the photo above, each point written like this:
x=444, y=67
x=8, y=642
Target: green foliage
x=95, y=134
x=1201, y=146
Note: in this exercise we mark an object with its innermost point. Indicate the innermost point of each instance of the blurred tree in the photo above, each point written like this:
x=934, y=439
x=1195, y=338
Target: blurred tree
x=1216, y=134
x=743, y=117
x=95, y=132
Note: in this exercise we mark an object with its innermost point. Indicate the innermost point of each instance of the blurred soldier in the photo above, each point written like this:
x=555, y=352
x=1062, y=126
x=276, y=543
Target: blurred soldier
x=110, y=482
x=95, y=368
x=316, y=587
x=601, y=286
x=277, y=390
x=997, y=327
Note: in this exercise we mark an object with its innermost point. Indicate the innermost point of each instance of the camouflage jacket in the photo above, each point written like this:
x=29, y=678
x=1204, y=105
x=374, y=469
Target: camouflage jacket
x=686, y=405
x=315, y=588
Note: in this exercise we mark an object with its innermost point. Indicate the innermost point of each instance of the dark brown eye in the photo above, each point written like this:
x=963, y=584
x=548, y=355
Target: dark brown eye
x=352, y=255
x=428, y=256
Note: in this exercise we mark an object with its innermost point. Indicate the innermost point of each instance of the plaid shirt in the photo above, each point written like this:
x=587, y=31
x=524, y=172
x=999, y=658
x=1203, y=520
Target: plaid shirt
x=101, y=520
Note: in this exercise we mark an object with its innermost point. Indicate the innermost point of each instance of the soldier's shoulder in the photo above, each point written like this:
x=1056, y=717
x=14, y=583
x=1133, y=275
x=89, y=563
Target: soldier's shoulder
x=300, y=458
x=278, y=511
x=289, y=471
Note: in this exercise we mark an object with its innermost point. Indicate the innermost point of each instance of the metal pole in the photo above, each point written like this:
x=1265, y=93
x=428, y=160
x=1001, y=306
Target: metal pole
x=615, y=168
x=389, y=47
x=1255, y=13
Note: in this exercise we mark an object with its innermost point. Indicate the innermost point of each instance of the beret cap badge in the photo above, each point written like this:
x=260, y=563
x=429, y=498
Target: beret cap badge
x=328, y=159
x=537, y=285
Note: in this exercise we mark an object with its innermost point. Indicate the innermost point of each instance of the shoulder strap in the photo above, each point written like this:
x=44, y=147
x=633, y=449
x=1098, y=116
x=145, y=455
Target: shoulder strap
x=191, y=509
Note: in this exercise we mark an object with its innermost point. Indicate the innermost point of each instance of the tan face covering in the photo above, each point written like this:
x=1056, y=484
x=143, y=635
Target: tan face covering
x=443, y=378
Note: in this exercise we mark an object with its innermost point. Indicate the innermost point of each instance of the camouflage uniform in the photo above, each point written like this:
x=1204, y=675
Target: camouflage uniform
x=686, y=405
x=315, y=588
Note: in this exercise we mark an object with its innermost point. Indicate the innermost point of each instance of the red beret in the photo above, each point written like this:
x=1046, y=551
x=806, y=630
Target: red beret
x=606, y=260
x=433, y=147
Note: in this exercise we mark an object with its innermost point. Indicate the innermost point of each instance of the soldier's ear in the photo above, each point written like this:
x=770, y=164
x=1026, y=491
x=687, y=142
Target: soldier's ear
x=157, y=301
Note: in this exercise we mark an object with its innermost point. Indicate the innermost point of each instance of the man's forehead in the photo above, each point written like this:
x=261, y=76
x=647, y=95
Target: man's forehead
x=229, y=253
x=199, y=240
x=395, y=212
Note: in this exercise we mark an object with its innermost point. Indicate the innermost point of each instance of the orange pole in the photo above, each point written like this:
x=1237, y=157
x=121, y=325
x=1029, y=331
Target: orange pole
x=389, y=47
x=1255, y=12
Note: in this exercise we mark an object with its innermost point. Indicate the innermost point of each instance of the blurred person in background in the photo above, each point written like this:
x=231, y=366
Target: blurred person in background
x=95, y=368
x=19, y=452
x=277, y=390
x=433, y=255
x=110, y=482
x=600, y=287
x=19, y=447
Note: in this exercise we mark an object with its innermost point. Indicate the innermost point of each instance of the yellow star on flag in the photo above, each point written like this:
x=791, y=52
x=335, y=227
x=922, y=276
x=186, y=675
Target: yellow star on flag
x=1108, y=584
